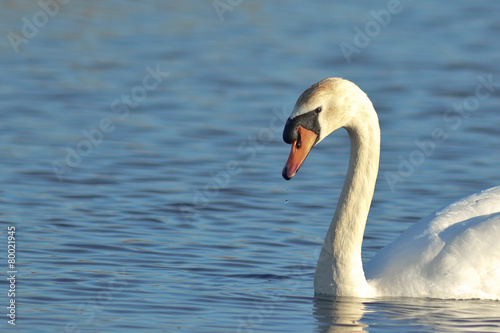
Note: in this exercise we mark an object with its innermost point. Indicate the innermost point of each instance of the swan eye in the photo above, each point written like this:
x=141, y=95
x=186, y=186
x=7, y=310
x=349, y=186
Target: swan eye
x=318, y=109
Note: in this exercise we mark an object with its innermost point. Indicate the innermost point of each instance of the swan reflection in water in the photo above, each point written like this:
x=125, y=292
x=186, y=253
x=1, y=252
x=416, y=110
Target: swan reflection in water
x=340, y=314
x=353, y=314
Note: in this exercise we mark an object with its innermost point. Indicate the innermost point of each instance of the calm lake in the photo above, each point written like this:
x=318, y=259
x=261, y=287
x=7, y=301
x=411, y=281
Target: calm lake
x=142, y=158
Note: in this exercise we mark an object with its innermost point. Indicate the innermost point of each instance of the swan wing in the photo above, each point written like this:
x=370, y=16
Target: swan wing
x=452, y=253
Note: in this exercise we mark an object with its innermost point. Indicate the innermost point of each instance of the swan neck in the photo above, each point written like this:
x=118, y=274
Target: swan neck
x=341, y=253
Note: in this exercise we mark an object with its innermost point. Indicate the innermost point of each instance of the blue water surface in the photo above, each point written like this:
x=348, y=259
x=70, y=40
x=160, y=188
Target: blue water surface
x=142, y=157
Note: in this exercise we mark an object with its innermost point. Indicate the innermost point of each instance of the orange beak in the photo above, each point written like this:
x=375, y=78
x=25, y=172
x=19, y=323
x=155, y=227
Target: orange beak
x=300, y=149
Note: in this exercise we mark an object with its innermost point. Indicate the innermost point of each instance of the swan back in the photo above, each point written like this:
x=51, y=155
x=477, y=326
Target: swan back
x=452, y=253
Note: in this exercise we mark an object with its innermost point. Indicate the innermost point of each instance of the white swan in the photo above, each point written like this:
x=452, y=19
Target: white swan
x=452, y=253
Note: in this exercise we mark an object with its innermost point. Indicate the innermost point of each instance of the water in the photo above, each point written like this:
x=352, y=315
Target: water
x=166, y=211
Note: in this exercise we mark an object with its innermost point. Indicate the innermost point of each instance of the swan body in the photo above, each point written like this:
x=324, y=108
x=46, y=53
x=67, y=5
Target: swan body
x=452, y=253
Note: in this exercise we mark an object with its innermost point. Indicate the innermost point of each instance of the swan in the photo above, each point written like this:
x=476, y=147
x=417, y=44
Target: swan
x=454, y=253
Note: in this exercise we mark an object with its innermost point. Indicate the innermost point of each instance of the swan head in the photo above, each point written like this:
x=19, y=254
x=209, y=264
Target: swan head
x=323, y=108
